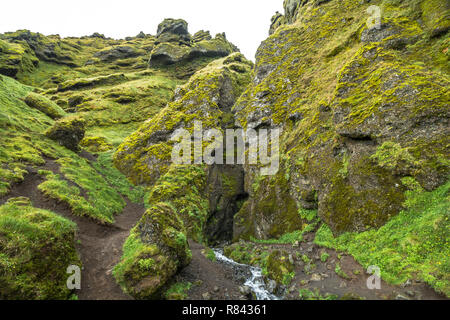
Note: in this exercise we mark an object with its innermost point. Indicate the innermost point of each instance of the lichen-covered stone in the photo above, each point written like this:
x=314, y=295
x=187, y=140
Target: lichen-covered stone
x=68, y=132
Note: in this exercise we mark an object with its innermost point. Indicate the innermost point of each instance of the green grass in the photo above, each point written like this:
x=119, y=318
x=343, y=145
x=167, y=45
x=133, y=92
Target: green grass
x=209, y=254
x=116, y=179
x=114, y=134
x=324, y=257
x=104, y=199
x=178, y=291
x=37, y=246
x=413, y=244
x=306, y=294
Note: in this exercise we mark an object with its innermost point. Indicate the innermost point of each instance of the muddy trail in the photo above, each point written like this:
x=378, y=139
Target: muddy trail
x=99, y=246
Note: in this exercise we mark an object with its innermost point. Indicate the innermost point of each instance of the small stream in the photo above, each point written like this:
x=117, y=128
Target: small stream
x=251, y=276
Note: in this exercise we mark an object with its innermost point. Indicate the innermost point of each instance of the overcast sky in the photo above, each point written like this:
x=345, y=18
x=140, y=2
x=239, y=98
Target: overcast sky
x=245, y=22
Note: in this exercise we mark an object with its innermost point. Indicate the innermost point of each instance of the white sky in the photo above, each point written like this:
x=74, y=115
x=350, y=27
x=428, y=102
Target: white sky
x=245, y=22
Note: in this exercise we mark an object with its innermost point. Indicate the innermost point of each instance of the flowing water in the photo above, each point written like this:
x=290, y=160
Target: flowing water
x=251, y=275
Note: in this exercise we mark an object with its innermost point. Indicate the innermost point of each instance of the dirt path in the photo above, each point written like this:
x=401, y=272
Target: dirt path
x=214, y=281
x=100, y=246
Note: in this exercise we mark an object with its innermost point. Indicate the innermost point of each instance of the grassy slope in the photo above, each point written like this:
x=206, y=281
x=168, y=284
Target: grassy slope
x=414, y=244
x=23, y=144
x=36, y=246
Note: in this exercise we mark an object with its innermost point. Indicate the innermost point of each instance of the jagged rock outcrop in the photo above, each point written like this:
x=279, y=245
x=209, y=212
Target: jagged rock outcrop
x=48, y=49
x=115, y=53
x=16, y=58
x=173, y=30
x=348, y=141
x=175, y=45
x=201, y=35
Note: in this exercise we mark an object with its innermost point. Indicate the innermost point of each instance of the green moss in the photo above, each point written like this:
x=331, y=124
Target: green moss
x=37, y=247
x=86, y=191
x=44, y=105
x=116, y=179
x=183, y=187
x=178, y=291
x=279, y=268
x=324, y=257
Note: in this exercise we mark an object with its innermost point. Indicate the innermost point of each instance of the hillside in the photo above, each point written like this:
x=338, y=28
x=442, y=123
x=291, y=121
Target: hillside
x=88, y=176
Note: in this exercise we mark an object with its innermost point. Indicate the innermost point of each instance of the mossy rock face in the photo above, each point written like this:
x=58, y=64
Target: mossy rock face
x=349, y=140
x=207, y=97
x=116, y=53
x=68, y=132
x=45, y=48
x=201, y=35
x=270, y=212
x=37, y=247
x=155, y=251
x=44, y=105
x=16, y=59
x=184, y=188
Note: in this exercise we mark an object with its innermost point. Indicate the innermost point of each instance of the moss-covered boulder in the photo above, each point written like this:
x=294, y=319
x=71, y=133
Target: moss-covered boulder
x=348, y=140
x=68, y=132
x=44, y=105
x=37, y=247
x=155, y=251
x=207, y=97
